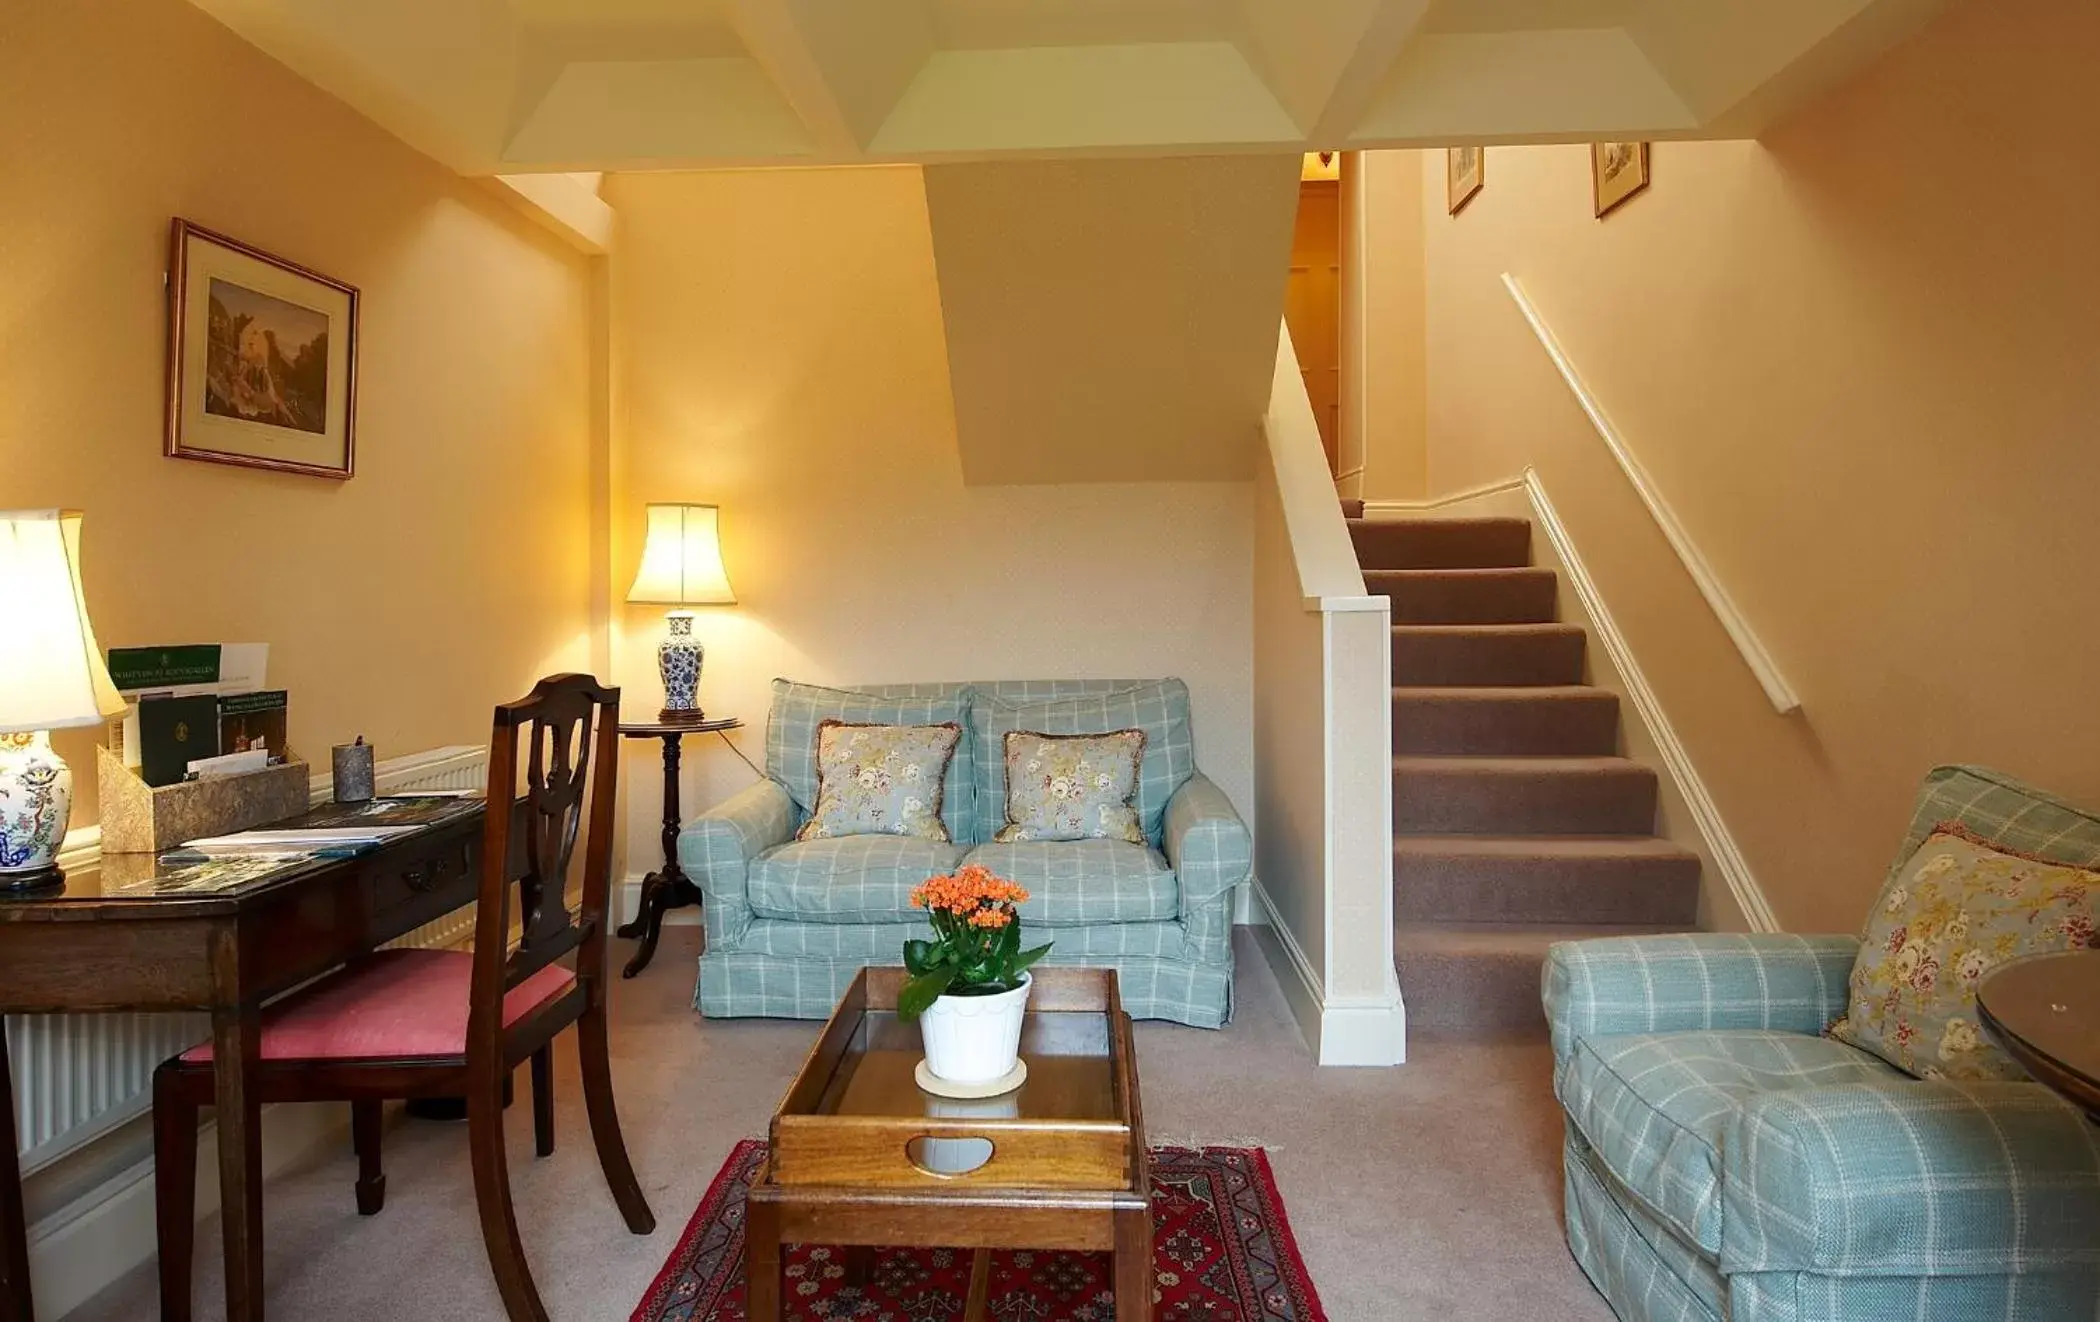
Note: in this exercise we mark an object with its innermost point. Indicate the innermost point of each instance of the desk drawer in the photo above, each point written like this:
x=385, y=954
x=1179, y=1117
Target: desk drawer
x=407, y=891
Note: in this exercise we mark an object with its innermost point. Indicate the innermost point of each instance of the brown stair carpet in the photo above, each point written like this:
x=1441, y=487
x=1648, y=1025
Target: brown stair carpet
x=1516, y=821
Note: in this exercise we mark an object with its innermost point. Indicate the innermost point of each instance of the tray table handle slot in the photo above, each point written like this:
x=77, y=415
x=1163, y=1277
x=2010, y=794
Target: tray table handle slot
x=948, y=1158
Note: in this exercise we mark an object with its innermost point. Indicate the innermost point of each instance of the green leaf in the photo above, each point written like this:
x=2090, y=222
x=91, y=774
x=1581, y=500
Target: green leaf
x=1025, y=958
x=919, y=956
x=918, y=994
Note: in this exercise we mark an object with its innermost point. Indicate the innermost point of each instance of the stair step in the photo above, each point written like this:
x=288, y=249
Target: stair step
x=1567, y=720
x=1520, y=595
x=1483, y=978
x=1352, y=509
x=1488, y=654
x=1544, y=879
x=1522, y=796
x=1441, y=543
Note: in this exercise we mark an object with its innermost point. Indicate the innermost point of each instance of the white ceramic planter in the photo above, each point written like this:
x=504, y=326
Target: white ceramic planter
x=975, y=1039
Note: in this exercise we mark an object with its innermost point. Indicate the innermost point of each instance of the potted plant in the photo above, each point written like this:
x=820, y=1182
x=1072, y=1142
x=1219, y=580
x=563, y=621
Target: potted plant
x=969, y=985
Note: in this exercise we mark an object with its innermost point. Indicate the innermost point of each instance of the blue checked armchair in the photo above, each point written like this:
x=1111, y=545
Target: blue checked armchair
x=790, y=922
x=1724, y=1159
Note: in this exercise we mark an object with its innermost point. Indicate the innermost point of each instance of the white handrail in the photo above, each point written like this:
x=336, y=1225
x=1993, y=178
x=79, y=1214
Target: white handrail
x=1328, y=574
x=1739, y=632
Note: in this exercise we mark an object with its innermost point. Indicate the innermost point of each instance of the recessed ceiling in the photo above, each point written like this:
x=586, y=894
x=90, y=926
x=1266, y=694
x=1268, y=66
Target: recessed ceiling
x=509, y=86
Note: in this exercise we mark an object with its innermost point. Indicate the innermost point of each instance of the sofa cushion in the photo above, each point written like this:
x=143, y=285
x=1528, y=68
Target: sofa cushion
x=1072, y=786
x=847, y=879
x=2004, y=812
x=1957, y=910
x=1655, y=1105
x=1160, y=708
x=882, y=780
x=798, y=709
x=1075, y=883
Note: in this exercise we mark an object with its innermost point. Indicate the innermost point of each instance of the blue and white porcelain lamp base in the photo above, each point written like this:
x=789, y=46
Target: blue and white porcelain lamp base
x=36, y=801
x=678, y=658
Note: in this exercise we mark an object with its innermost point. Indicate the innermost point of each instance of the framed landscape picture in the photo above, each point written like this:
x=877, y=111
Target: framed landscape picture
x=262, y=358
x=1464, y=169
x=1618, y=170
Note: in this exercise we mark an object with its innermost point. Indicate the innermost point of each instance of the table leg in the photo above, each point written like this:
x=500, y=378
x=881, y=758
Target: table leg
x=761, y=1261
x=15, y=1303
x=236, y=1046
x=1133, y=1264
x=976, y=1307
x=667, y=887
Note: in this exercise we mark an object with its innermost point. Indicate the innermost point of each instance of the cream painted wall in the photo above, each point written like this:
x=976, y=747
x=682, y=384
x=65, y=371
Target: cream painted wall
x=780, y=351
x=1388, y=213
x=1857, y=359
x=455, y=567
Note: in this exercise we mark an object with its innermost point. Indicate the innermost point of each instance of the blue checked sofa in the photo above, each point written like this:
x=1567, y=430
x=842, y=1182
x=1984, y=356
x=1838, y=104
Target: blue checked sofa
x=1725, y=1160
x=789, y=923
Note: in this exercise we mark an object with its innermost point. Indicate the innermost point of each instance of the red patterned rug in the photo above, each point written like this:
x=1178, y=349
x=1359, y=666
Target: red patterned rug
x=1222, y=1250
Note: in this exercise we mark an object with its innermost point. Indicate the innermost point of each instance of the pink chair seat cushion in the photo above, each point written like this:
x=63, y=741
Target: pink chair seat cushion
x=395, y=1005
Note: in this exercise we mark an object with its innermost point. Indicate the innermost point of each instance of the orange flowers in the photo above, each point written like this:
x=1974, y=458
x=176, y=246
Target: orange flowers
x=972, y=892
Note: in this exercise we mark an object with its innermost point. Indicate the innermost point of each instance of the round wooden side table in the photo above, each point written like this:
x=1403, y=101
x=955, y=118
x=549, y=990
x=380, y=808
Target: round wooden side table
x=2045, y=1011
x=668, y=887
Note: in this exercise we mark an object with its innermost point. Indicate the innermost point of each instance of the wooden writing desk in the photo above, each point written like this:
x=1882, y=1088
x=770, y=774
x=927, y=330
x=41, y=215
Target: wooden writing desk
x=95, y=946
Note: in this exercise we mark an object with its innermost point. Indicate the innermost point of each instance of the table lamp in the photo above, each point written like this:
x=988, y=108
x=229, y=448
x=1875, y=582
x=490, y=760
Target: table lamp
x=682, y=566
x=51, y=676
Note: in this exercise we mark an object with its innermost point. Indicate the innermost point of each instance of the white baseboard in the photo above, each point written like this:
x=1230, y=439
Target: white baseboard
x=1435, y=504
x=1343, y=1031
x=79, y=1250
x=628, y=902
x=1706, y=817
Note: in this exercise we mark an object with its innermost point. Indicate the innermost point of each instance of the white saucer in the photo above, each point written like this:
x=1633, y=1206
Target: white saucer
x=941, y=1087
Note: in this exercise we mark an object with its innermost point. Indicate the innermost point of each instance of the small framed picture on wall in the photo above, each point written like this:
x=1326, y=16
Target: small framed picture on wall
x=1464, y=170
x=1618, y=170
x=262, y=358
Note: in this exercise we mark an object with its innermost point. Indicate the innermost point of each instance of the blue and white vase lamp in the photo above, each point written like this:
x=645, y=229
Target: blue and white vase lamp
x=682, y=567
x=51, y=677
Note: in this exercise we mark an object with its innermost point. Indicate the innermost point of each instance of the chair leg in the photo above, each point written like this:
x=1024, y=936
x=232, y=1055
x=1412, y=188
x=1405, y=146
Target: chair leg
x=174, y=1191
x=499, y=1223
x=605, y=1120
x=543, y=1100
x=365, y=1127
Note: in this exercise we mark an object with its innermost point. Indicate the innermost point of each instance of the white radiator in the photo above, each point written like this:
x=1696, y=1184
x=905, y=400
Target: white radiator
x=78, y=1076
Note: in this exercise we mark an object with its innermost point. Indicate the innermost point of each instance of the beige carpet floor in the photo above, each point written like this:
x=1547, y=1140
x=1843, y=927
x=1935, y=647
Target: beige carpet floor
x=1429, y=1191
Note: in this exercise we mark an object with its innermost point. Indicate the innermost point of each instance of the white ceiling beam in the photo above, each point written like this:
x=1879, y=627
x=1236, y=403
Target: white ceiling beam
x=1393, y=25
x=1741, y=64
x=842, y=64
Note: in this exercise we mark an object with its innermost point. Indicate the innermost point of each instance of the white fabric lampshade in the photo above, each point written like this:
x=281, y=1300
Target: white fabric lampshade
x=682, y=559
x=51, y=670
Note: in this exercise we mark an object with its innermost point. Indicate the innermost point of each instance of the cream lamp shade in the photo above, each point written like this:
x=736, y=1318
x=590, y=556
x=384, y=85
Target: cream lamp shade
x=682, y=559
x=51, y=670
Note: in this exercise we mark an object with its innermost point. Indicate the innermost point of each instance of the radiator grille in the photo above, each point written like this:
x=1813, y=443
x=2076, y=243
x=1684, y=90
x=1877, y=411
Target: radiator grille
x=78, y=1076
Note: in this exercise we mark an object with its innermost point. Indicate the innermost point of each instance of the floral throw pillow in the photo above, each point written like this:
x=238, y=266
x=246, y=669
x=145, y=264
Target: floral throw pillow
x=1958, y=909
x=881, y=780
x=1072, y=786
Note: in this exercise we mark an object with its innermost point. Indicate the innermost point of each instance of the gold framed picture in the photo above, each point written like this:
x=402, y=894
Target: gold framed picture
x=1464, y=169
x=1618, y=170
x=262, y=358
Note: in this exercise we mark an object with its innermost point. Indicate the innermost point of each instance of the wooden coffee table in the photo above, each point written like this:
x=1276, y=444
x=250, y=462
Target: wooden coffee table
x=862, y=1156
x=2045, y=1011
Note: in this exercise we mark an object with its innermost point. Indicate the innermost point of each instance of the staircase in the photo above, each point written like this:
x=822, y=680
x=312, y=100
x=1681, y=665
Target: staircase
x=1516, y=821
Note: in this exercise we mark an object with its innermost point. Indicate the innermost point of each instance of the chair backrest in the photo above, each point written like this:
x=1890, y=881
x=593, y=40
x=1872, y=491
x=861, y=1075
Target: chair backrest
x=2003, y=811
x=567, y=729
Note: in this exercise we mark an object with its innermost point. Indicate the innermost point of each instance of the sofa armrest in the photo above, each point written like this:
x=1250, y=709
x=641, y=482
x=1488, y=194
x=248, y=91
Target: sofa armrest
x=1906, y=1178
x=716, y=849
x=1664, y=984
x=1211, y=853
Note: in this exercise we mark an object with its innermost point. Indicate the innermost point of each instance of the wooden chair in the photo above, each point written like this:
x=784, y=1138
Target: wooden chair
x=421, y=1023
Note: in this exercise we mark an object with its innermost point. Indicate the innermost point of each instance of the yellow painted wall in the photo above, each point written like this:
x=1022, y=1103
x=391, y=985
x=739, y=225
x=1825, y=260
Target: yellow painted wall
x=456, y=566
x=780, y=352
x=1858, y=359
x=1384, y=212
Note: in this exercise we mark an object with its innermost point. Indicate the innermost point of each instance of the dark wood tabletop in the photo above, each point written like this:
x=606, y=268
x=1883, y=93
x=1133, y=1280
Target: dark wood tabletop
x=115, y=937
x=2045, y=1011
